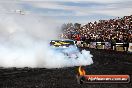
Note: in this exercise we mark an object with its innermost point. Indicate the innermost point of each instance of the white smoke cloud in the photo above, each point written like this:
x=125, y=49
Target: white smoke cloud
x=24, y=42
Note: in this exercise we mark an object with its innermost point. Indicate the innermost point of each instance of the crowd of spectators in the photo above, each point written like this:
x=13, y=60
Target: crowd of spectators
x=112, y=30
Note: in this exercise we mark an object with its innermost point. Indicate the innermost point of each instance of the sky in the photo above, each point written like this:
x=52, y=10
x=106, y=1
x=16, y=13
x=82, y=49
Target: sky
x=65, y=11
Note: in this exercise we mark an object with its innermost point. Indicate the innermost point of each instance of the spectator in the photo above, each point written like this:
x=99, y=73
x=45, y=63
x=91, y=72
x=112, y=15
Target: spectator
x=118, y=30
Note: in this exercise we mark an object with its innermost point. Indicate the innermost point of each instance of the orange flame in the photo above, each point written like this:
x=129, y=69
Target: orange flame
x=81, y=71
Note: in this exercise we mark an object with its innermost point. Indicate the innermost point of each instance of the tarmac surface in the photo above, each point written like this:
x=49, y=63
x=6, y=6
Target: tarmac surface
x=105, y=62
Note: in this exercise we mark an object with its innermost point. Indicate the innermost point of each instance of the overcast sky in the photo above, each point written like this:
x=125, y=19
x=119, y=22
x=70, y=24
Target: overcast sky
x=81, y=11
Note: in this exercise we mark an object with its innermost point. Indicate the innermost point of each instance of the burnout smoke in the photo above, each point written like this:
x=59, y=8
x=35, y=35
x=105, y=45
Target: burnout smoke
x=24, y=42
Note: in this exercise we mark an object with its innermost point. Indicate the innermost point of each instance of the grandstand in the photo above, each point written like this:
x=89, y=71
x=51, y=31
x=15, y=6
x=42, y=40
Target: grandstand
x=114, y=32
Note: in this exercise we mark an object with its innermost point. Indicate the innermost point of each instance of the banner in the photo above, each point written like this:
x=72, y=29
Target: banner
x=107, y=45
x=103, y=79
x=100, y=45
x=130, y=47
x=79, y=43
x=119, y=46
x=92, y=45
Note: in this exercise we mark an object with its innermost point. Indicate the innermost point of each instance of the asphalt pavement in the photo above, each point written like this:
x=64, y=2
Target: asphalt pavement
x=105, y=62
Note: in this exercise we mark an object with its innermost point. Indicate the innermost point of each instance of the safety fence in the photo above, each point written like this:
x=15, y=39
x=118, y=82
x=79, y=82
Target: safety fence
x=127, y=47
